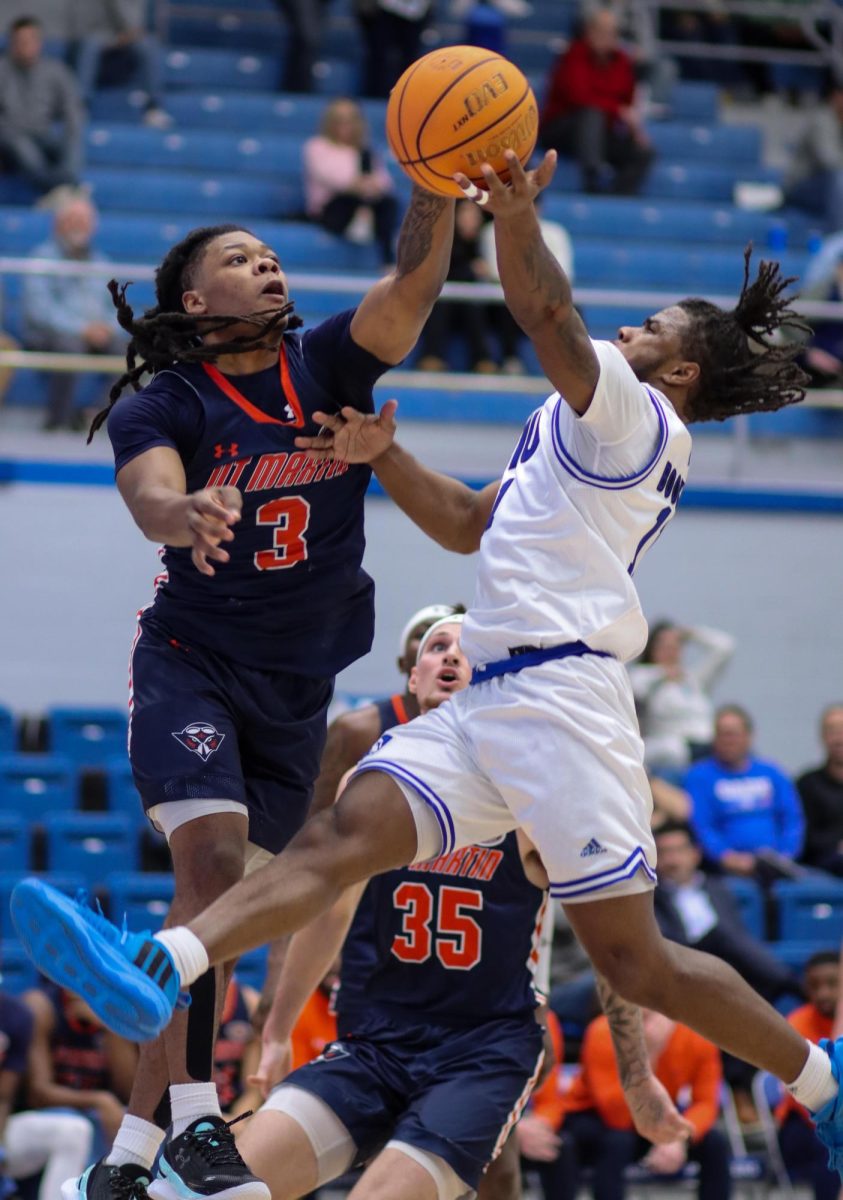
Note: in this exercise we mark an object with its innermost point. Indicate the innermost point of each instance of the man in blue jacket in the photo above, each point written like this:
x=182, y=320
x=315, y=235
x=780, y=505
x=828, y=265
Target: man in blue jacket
x=745, y=810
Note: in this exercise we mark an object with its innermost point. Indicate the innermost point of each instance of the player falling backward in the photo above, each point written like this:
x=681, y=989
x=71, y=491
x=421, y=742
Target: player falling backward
x=546, y=738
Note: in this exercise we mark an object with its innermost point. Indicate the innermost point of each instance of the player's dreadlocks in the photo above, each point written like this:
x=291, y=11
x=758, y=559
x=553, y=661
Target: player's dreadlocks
x=741, y=369
x=166, y=333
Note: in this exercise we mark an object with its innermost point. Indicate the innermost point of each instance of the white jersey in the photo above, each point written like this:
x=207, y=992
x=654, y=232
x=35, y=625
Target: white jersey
x=581, y=501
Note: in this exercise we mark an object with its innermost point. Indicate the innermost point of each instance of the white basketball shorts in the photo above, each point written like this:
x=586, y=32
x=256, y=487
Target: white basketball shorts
x=554, y=749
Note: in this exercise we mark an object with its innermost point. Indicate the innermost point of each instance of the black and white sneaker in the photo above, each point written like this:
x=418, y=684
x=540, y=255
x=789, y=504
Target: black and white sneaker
x=204, y=1161
x=105, y=1182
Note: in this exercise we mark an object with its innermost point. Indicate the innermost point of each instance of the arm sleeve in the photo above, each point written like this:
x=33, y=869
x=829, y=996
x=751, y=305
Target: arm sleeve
x=345, y=369
x=790, y=817
x=703, y=819
x=717, y=648
x=706, y=1079
x=160, y=415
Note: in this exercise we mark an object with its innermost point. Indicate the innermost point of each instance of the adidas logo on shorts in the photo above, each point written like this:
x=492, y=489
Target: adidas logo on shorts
x=592, y=848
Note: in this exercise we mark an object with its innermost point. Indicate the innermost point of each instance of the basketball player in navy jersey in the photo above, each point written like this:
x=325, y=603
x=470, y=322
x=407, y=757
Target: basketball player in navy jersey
x=438, y=1046
x=546, y=738
x=260, y=601
x=352, y=733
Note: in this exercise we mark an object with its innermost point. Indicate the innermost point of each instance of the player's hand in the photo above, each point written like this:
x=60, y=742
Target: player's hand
x=509, y=199
x=655, y=1115
x=537, y=1139
x=275, y=1064
x=352, y=436
x=210, y=515
x=667, y=1159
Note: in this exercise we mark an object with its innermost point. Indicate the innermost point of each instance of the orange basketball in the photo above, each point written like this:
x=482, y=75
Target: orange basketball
x=456, y=108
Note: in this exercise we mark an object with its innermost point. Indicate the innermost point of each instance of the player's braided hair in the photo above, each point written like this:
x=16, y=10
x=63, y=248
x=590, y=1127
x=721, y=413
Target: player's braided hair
x=742, y=369
x=166, y=333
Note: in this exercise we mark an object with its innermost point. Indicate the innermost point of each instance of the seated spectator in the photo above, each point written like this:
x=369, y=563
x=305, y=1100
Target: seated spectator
x=237, y=1050
x=347, y=188
x=305, y=21
x=805, y=1158
x=670, y=803
x=53, y=1143
x=76, y=1063
x=744, y=810
x=539, y=1141
x=470, y=320
x=823, y=280
x=590, y=112
x=673, y=697
x=69, y=313
x=598, y=1128
x=317, y=1025
x=41, y=116
x=111, y=41
x=821, y=793
x=814, y=180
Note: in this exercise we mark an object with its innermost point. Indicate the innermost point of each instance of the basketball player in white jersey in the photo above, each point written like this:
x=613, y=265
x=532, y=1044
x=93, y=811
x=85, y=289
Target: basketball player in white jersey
x=546, y=738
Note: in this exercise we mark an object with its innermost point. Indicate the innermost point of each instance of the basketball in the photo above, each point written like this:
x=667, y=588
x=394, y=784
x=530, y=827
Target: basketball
x=453, y=110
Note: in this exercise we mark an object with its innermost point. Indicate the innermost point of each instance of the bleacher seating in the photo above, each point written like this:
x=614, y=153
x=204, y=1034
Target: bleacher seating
x=144, y=899
x=87, y=736
x=17, y=972
x=70, y=884
x=121, y=794
x=35, y=784
x=91, y=844
x=750, y=902
x=15, y=837
x=810, y=910
x=7, y=731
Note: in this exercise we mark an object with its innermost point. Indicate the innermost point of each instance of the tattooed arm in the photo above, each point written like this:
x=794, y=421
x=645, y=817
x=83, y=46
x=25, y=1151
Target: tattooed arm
x=392, y=314
x=536, y=289
x=654, y=1113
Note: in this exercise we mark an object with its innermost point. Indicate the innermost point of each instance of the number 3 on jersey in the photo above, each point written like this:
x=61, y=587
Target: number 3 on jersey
x=291, y=516
x=457, y=939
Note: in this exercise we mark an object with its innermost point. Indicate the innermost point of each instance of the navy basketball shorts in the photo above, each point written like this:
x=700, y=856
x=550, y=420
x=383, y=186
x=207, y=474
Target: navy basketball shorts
x=455, y=1093
x=205, y=728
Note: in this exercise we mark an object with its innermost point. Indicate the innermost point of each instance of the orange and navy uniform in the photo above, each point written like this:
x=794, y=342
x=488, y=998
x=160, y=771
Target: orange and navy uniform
x=810, y=1022
x=315, y=1029
x=392, y=711
x=687, y=1061
x=547, y=1101
x=236, y=1032
x=78, y=1049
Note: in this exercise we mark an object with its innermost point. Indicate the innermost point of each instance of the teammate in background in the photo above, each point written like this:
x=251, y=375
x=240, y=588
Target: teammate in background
x=237, y=1050
x=546, y=739
x=354, y=732
x=261, y=600
x=438, y=1045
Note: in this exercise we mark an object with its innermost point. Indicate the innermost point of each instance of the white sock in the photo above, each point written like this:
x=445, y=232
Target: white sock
x=136, y=1143
x=815, y=1085
x=187, y=952
x=190, y=1101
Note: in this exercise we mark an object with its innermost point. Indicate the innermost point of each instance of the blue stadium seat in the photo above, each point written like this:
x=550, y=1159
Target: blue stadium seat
x=750, y=902
x=144, y=899
x=121, y=793
x=14, y=841
x=17, y=970
x=196, y=67
x=7, y=731
x=251, y=967
x=70, y=884
x=21, y=229
x=221, y=196
x=599, y=263
x=810, y=911
x=91, y=844
x=740, y=144
x=88, y=736
x=690, y=101
x=796, y=954
x=35, y=784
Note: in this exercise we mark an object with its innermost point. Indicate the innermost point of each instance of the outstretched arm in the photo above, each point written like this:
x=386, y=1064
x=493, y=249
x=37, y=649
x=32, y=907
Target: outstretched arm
x=654, y=1113
x=536, y=289
x=393, y=313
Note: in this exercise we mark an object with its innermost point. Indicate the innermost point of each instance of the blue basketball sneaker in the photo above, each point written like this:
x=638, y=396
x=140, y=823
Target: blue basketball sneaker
x=829, y=1118
x=128, y=979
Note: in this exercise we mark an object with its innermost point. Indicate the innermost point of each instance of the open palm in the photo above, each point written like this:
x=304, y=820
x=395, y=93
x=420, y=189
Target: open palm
x=352, y=436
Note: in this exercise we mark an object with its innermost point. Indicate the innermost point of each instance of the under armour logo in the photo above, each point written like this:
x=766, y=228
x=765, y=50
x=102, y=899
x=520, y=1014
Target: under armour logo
x=592, y=848
x=232, y=451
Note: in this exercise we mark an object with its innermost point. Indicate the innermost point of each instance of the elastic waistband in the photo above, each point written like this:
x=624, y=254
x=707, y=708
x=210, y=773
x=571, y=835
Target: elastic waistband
x=532, y=656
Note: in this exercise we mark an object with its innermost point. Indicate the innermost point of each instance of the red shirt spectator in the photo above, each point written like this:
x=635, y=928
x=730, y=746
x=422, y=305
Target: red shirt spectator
x=582, y=78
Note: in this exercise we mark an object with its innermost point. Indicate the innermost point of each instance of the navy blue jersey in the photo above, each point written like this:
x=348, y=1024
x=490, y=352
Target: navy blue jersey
x=391, y=712
x=455, y=938
x=16, y=1026
x=294, y=596
x=77, y=1048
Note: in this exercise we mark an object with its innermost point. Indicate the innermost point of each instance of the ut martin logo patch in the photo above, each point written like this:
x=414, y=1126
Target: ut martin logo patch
x=200, y=739
x=592, y=848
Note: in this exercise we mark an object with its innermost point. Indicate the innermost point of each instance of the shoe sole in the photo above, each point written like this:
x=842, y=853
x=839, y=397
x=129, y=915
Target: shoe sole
x=160, y=1189
x=74, y=956
x=69, y=1191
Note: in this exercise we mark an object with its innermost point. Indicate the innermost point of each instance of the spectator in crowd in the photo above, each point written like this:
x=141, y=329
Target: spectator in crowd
x=76, y=1063
x=598, y=1128
x=317, y=1024
x=590, y=112
x=41, y=115
x=348, y=189
x=468, y=319
x=805, y=1158
x=670, y=802
x=391, y=32
x=70, y=313
x=538, y=1135
x=110, y=39
x=353, y=733
x=823, y=280
x=237, y=1050
x=56, y=1144
x=673, y=696
x=712, y=26
x=305, y=25
x=814, y=180
x=821, y=793
x=745, y=810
